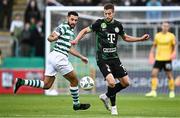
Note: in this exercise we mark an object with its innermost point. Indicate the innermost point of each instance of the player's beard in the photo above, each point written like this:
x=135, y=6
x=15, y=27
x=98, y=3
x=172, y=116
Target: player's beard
x=72, y=25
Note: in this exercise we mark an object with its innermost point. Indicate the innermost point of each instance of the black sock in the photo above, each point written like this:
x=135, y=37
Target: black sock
x=118, y=87
x=110, y=92
x=113, y=100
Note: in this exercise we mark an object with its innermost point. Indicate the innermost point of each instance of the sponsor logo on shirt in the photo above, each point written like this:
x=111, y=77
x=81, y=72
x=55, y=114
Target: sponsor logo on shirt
x=109, y=50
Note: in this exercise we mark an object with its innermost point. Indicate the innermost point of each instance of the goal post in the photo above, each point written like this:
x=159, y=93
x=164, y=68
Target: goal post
x=63, y=10
x=134, y=56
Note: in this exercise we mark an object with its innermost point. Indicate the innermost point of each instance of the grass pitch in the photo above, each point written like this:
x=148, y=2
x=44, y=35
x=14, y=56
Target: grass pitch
x=129, y=106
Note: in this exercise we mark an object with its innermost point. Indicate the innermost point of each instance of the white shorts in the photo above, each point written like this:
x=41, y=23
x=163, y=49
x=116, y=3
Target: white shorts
x=57, y=62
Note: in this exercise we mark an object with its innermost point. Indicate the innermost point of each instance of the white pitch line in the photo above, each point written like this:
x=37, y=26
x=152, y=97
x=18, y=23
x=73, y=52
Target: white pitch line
x=68, y=116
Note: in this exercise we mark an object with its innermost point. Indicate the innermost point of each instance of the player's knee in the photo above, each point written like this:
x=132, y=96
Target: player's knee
x=111, y=81
x=111, y=84
x=125, y=84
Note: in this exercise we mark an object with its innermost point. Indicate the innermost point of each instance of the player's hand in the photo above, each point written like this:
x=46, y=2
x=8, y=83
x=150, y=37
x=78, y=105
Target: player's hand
x=84, y=59
x=151, y=58
x=145, y=37
x=173, y=55
x=74, y=42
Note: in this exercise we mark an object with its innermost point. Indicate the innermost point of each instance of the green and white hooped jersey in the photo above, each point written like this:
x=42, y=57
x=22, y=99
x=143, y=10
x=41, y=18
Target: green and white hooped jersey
x=66, y=33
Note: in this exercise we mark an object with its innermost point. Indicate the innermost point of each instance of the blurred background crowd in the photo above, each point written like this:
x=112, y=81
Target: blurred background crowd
x=24, y=21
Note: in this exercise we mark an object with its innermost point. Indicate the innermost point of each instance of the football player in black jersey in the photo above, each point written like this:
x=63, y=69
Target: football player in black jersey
x=107, y=32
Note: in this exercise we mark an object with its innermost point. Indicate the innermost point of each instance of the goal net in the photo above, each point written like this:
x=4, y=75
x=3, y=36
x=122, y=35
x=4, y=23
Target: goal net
x=134, y=56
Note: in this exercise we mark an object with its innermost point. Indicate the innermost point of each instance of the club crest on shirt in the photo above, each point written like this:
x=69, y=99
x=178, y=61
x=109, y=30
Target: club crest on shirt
x=116, y=29
x=103, y=25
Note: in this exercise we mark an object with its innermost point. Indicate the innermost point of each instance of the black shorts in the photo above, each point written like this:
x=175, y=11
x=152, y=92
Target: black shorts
x=113, y=66
x=166, y=65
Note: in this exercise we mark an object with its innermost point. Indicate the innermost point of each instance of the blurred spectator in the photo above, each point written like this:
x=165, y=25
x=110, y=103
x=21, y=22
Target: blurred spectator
x=26, y=34
x=33, y=22
x=134, y=2
x=153, y=14
x=29, y=36
x=16, y=26
x=32, y=11
x=53, y=3
x=39, y=42
x=126, y=3
x=5, y=13
x=36, y=37
x=0, y=57
x=15, y=30
x=25, y=44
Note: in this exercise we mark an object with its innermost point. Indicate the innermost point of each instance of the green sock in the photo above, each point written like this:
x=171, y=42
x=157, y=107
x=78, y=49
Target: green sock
x=33, y=83
x=75, y=95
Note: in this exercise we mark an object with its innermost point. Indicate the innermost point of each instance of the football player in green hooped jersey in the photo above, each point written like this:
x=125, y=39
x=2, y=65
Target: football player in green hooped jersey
x=57, y=61
x=107, y=32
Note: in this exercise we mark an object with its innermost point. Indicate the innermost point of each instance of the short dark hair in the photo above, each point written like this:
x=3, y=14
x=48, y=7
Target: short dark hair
x=72, y=13
x=109, y=6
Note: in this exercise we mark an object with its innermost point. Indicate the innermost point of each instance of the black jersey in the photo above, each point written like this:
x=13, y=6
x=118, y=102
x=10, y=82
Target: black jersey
x=107, y=34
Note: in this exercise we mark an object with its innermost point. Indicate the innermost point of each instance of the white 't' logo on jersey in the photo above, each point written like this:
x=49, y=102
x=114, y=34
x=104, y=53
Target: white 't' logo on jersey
x=111, y=37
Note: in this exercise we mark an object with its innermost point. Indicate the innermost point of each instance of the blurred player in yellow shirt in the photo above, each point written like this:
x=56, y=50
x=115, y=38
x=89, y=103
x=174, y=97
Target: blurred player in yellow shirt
x=164, y=49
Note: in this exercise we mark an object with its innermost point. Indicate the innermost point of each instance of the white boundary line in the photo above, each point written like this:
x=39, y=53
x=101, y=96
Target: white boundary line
x=68, y=116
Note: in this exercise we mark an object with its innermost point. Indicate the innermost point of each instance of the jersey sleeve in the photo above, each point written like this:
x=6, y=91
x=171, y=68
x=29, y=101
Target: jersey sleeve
x=60, y=30
x=121, y=30
x=95, y=26
x=155, y=39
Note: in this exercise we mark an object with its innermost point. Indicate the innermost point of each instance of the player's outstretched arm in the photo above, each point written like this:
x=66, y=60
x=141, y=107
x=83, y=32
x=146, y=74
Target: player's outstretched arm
x=81, y=34
x=74, y=52
x=129, y=38
x=151, y=54
x=52, y=37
